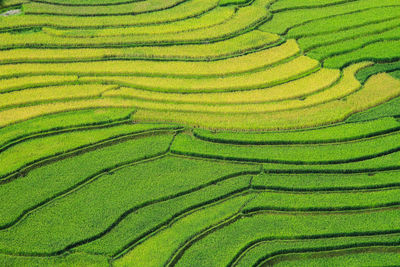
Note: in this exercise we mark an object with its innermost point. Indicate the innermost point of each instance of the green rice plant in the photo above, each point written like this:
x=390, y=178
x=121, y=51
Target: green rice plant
x=309, y=182
x=145, y=253
x=75, y=259
x=284, y=5
x=396, y=74
x=380, y=52
x=213, y=17
x=183, y=11
x=385, y=162
x=150, y=219
x=346, y=249
x=65, y=121
x=366, y=73
x=372, y=19
x=35, y=151
x=388, y=255
x=51, y=93
x=283, y=21
x=59, y=178
x=233, y=65
x=323, y=201
x=312, y=42
x=237, y=46
x=233, y=2
x=296, y=154
x=15, y=84
x=335, y=49
x=214, y=248
x=90, y=2
x=294, y=69
x=387, y=109
x=8, y=3
x=335, y=133
x=73, y=85
x=108, y=198
x=107, y=10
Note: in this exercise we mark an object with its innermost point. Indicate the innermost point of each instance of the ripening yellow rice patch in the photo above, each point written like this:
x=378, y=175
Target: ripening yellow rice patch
x=11, y=84
x=52, y=54
x=347, y=85
x=279, y=74
x=13, y=2
x=180, y=12
x=378, y=89
x=238, y=64
x=234, y=102
x=243, y=19
x=259, y=121
x=132, y=6
x=211, y=18
x=193, y=102
x=51, y=93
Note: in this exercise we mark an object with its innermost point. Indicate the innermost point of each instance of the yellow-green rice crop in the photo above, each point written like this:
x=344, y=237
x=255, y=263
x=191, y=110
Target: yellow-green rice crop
x=279, y=74
x=253, y=101
x=188, y=9
x=246, y=63
x=211, y=18
x=12, y=84
x=334, y=111
x=133, y=7
x=14, y=115
x=49, y=93
x=237, y=46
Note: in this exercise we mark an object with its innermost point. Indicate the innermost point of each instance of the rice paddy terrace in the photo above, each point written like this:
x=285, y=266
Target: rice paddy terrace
x=199, y=132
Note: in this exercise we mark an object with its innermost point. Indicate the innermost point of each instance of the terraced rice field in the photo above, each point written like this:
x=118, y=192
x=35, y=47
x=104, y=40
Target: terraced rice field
x=199, y=132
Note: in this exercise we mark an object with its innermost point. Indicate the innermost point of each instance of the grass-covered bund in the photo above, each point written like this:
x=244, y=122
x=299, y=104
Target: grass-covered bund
x=199, y=133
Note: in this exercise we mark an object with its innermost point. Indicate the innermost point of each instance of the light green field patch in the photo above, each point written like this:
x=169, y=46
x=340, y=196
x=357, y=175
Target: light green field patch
x=35, y=150
x=55, y=122
x=335, y=133
x=157, y=250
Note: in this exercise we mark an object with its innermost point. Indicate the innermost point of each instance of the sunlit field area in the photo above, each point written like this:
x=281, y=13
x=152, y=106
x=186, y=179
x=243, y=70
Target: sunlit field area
x=199, y=133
